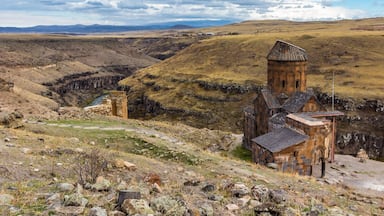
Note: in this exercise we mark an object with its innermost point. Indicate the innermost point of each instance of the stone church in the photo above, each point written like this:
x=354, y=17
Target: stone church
x=287, y=126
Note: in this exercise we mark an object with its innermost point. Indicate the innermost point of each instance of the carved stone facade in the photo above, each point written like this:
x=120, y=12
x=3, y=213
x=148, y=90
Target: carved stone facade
x=287, y=125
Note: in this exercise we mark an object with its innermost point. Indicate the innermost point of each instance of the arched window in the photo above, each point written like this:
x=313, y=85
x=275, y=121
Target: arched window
x=297, y=84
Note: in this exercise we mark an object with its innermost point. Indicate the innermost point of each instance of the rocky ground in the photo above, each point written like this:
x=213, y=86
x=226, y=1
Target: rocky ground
x=166, y=169
x=364, y=176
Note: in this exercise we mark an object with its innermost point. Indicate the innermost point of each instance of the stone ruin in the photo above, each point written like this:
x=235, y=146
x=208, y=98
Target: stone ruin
x=114, y=104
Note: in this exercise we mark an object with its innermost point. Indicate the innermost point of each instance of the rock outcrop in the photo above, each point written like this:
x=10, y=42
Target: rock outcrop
x=5, y=86
x=11, y=120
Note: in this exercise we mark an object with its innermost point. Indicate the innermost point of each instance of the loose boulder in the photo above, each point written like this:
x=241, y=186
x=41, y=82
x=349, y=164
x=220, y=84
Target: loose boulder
x=101, y=184
x=362, y=156
x=136, y=206
x=240, y=190
x=166, y=205
x=260, y=193
x=63, y=187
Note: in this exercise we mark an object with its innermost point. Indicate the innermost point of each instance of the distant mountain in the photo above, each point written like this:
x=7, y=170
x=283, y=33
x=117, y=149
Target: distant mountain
x=88, y=29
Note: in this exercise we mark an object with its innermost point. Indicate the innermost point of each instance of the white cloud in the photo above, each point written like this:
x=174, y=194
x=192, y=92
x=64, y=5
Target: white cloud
x=307, y=11
x=136, y=12
x=25, y=19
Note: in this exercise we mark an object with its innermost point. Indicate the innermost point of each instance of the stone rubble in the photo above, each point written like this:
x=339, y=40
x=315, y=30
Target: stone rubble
x=97, y=211
x=362, y=156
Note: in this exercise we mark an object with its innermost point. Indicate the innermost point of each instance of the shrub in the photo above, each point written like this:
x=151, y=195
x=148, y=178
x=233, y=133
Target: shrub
x=89, y=166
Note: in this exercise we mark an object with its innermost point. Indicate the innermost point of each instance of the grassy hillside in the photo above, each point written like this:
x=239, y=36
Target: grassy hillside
x=36, y=161
x=217, y=77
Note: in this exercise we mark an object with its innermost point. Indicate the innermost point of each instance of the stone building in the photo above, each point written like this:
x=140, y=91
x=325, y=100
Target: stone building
x=287, y=125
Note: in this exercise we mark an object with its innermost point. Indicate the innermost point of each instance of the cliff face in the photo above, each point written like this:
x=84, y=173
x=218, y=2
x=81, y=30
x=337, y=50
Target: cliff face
x=80, y=89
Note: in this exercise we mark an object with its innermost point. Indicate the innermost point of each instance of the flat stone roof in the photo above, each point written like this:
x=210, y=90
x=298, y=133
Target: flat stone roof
x=312, y=118
x=325, y=114
x=305, y=119
x=280, y=139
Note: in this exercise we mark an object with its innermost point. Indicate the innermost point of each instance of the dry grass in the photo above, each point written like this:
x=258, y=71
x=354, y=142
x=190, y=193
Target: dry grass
x=357, y=60
x=193, y=80
x=43, y=101
x=60, y=147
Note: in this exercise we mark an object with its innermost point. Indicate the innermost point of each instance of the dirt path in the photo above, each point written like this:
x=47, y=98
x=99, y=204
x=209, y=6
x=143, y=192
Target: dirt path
x=227, y=166
x=367, y=177
x=145, y=131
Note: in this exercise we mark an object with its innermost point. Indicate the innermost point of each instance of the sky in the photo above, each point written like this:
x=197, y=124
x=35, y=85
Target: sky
x=23, y=13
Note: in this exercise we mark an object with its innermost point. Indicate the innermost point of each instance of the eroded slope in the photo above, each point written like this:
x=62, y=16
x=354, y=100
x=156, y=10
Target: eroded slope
x=65, y=70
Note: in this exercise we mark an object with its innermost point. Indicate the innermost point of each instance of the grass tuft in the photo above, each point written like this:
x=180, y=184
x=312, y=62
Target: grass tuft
x=242, y=153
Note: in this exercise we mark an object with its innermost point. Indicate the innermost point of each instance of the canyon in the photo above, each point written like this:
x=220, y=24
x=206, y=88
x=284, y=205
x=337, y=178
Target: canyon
x=203, y=80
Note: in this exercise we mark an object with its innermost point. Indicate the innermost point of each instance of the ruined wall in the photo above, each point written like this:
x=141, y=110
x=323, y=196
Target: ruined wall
x=249, y=128
x=261, y=155
x=119, y=104
x=287, y=77
x=105, y=108
x=114, y=104
x=261, y=115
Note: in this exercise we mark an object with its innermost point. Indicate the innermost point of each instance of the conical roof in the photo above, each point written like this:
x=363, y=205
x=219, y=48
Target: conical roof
x=283, y=51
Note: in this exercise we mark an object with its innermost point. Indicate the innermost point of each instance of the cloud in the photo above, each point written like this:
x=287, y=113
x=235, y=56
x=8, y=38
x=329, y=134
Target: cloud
x=48, y=18
x=129, y=12
x=305, y=10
